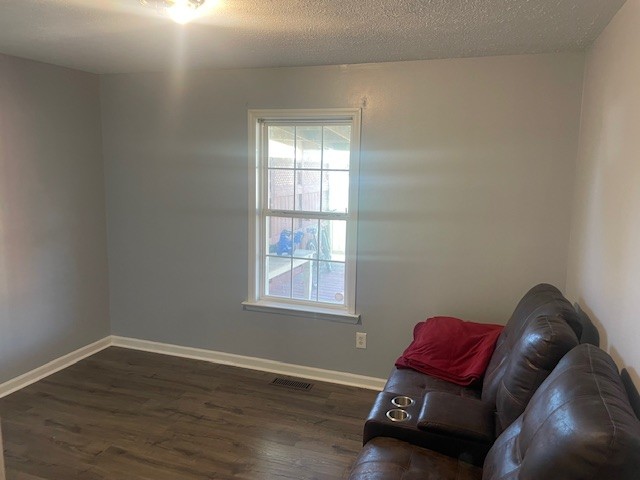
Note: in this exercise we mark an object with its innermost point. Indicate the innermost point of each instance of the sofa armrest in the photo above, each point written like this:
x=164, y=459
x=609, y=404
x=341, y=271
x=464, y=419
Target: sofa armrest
x=459, y=417
x=378, y=424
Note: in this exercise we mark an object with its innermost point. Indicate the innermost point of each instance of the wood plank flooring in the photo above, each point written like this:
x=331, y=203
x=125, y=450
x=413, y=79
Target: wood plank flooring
x=124, y=414
x=2, y=477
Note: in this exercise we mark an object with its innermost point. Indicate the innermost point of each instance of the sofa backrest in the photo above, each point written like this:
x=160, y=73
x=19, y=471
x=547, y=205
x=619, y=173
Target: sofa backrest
x=579, y=425
x=536, y=353
x=542, y=329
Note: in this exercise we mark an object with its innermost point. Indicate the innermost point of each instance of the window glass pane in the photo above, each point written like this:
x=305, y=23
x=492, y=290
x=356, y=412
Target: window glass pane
x=307, y=191
x=306, y=233
x=333, y=240
x=331, y=277
x=308, y=147
x=279, y=236
x=304, y=279
x=281, y=146
x=336, y=147
x=281, y=191
x=335, y=192
x=278, y=276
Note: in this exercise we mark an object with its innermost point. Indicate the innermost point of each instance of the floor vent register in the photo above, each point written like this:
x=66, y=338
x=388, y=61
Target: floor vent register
x=293, y=384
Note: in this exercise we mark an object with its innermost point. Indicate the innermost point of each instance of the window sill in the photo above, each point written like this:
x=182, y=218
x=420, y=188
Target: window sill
x=306, y=311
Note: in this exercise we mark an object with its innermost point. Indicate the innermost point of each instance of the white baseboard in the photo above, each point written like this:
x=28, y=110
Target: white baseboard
x=252, y=363
x=54, y=366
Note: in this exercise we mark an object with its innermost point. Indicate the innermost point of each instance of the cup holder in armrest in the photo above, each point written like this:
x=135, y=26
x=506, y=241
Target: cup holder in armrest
x=398, y=415
x=402, y=401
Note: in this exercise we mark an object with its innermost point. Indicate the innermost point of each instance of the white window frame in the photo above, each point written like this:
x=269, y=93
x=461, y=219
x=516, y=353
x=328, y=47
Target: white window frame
x=258, y=211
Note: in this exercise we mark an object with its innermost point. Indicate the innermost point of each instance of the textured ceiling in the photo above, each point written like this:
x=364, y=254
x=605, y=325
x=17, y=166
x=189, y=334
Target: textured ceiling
x=109, y=36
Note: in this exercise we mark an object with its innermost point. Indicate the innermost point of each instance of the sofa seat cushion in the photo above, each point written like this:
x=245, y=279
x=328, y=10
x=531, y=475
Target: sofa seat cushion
x=391, y=459
x=415, y=384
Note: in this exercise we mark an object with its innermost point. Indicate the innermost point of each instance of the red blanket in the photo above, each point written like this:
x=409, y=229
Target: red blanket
x=451, y=349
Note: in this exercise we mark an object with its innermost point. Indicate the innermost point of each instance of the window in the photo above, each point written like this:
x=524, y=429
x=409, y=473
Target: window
x=303, y=181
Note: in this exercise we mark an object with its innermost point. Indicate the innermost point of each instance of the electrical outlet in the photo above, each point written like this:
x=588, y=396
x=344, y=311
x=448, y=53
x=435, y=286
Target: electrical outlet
x=361, y=340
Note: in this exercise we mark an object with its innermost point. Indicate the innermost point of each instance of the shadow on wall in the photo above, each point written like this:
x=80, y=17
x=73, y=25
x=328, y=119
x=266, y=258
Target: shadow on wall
x=604, y=339
x=604, y=342
x=633, y=373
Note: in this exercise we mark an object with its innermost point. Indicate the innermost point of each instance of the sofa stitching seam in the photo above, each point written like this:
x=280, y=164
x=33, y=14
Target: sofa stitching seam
x=595, y=378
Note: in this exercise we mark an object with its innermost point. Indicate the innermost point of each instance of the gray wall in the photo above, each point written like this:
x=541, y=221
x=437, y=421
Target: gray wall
x=53, y=267
x=604, y=266
x=466, y=186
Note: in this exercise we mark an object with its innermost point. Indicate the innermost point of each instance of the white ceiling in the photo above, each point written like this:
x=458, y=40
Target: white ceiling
x=111, y=36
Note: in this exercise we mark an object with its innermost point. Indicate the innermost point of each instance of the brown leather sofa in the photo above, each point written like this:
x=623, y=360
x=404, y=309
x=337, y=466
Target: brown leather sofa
x=579, y=425
x=543, y=299
x=464, y=422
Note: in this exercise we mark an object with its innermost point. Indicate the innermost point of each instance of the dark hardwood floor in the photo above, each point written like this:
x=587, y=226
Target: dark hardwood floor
x=124, y=414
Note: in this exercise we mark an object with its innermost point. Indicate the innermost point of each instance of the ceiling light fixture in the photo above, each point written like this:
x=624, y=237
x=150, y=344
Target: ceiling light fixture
x=180, y=11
